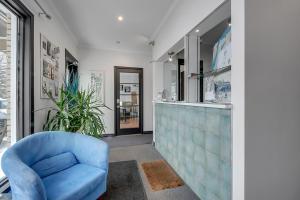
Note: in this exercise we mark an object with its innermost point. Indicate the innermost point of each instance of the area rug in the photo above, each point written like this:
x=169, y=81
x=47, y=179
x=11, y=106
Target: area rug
x=124, y=182
x=160, y=175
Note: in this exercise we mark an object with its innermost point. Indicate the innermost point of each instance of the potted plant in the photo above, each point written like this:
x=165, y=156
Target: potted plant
x=75, y=111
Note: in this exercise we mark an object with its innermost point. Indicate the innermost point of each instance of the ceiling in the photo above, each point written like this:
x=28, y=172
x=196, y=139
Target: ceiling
x=95, y=24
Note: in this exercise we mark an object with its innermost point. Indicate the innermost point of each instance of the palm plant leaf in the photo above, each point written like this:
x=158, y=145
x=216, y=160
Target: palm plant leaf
x=75, y=111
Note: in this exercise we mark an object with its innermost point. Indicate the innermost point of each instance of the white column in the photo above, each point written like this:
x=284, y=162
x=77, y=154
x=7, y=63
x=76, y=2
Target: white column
x=191, y=54
x=158, y=86
x=238, y=98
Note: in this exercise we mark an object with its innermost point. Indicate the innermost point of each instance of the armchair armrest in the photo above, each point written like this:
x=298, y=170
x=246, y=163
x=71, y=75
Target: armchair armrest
x=24, y=182
x=91, y=151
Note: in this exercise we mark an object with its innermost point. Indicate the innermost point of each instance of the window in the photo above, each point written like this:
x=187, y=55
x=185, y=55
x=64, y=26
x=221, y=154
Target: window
x=8, y=38
x=16, y=72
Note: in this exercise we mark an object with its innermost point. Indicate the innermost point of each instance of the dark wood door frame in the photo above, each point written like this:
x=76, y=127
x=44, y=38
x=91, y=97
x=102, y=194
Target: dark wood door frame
x=71, y=67
x=180, y=82
x=141, y=99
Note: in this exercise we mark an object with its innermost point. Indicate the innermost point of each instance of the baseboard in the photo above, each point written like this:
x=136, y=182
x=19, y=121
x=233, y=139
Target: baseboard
x=148, y=132
x=108, y=135
x=112, y=134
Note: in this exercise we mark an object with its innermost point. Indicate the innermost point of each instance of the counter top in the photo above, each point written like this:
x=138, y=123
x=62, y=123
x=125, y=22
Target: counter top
x=207, y=105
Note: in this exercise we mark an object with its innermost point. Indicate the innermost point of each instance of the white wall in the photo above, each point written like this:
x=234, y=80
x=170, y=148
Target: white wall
x=158, y=78
x=105, y=60
x=272, y=110
x=55, y=31
x=185, y=15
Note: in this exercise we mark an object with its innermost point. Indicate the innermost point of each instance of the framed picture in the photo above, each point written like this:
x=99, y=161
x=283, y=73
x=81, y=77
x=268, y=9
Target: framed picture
x=44, y=87
x=43, y=46
x=49, y=53
x=127, y=89
x=49, y=57
x=94, y=80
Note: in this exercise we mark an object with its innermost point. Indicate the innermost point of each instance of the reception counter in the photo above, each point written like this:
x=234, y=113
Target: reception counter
x=195, y=139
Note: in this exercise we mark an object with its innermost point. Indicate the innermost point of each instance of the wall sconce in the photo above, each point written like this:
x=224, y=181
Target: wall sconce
x=171, y=56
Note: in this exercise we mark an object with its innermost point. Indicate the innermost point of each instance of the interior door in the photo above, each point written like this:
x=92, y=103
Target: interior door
x=128, y=100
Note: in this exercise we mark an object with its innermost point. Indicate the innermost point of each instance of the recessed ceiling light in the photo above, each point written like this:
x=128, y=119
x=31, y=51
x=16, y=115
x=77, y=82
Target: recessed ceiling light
x=197, y=30
x=120, y=18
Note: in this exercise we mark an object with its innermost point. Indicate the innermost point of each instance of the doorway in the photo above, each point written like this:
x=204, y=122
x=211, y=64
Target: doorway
x=128, y=100
x=71, y=69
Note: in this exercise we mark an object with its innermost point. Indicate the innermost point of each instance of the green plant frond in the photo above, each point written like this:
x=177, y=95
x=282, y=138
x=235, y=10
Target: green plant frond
x=75, y=111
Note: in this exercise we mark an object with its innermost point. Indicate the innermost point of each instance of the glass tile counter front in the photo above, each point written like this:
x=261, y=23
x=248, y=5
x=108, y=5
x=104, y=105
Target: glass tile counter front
x=196, y=142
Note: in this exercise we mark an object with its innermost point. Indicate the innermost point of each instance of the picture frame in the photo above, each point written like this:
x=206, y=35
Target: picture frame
x=94, y=80
x=127, y=89
x=49, y=59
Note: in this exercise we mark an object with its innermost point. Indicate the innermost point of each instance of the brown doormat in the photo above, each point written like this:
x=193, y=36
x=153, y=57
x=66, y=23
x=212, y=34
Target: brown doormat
x=160, y=175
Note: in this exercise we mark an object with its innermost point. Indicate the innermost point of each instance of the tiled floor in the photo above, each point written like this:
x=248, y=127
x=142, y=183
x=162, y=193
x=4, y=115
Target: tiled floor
x=144, y=153
x=128, y=140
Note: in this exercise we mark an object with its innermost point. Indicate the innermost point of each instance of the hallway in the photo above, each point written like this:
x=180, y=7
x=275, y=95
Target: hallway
x=141, y=151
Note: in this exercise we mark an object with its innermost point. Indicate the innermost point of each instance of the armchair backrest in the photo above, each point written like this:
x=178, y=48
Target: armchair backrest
x=43, y=145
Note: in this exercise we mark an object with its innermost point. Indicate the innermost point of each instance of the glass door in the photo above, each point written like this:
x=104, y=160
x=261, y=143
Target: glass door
x=128, y=100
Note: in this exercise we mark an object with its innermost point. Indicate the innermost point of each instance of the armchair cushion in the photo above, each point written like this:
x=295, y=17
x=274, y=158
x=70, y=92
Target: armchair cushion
x=54, y=164
x=73, y=183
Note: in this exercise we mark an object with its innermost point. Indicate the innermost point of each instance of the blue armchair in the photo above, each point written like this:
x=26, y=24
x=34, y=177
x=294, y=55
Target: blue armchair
x=57, y=166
